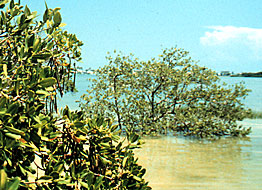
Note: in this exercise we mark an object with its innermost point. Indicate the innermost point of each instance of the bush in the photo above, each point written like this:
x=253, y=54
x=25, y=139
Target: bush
x=166, y=95
x=37, y=60
x=254, y=115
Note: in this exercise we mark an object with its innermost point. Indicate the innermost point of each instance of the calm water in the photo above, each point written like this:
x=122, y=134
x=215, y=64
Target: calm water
x=254, y=99
x=183, y=163
x=226, y=164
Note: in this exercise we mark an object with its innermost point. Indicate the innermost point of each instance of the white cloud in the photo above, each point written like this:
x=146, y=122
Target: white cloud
x=233, y=38
x=222, y=34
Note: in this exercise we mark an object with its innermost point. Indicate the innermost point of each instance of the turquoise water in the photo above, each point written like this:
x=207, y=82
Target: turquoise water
x=184, y=163
x=254, y=99
x=70, y=98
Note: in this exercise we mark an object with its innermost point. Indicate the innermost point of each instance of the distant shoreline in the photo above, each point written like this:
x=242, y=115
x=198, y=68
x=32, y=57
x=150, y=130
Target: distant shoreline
x=258, y=74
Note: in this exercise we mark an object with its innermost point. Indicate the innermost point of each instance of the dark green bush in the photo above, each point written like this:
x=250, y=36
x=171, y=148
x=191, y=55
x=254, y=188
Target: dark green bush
x=40, y=148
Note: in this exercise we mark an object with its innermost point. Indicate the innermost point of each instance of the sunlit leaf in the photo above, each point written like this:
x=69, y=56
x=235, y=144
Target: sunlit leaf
x=3, y=179
x=57, y=18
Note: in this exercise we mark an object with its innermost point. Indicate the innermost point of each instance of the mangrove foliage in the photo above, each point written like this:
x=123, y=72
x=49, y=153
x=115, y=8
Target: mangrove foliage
x=168, y=94
x=41, y=148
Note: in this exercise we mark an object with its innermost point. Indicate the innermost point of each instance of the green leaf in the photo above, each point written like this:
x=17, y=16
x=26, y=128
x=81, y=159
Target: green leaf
x=104, y=160
x=65, y=182
x=12, y=4
x=22, y=52
x=22, y=169
x=124, y=162
x=105, y=145
x=50, y=89
x=88, y=175
x=3, y=179
x=99, y=182
x=48, y=82
x=137, y=178
x=31, y=110
x=59, y=167
x=37, y=119
x=119, y=145
x=134, y=137
x=14, y=185
x=114, y=127
x=46, y=15
x=15, y=12
x=85, y=185
x=99, y=121
x=72, y=171
x=3, y=16
x=13, y=108
x=35, y=137
x=42, y=92
x=2, y=102
x=62, y=25
x=43, y=56
x=27, y=11
x=15, y=131
x=36, y=44
x=115, y=137
x=79, y=124
x=5, y=69
x=50, y=30
x=13, y=136
x=17, y=87
x=54, y=174
x=45, y=179
x=46, y=5
x=57, y=18
x=50, y=45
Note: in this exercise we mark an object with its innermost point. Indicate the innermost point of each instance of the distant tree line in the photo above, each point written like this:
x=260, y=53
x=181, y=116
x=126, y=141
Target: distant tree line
x=257, y=74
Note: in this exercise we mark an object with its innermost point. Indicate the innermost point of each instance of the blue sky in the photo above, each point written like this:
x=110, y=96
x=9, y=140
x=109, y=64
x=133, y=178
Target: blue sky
x=221, y=34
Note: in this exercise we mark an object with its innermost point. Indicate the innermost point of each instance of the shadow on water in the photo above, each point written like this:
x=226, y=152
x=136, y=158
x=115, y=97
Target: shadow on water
x=184, y=163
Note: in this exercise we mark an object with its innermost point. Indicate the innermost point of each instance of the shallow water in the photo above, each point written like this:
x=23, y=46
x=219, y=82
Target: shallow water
x=180, y=163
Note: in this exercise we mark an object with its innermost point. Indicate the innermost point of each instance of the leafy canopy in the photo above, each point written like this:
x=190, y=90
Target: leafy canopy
x=170, y=94
x=40, y=148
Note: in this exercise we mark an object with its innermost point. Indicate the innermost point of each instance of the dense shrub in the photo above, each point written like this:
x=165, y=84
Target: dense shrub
x=40, y=148
x=169, y=94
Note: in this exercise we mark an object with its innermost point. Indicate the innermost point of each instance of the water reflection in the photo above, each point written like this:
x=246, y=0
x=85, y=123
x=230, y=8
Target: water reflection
x=179, y=163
